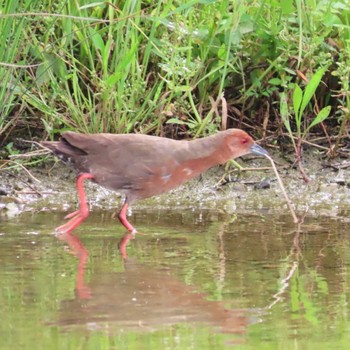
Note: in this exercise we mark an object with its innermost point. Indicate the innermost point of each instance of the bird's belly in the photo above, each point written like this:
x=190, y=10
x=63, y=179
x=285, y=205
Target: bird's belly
x=165, y=182
x=156, y=183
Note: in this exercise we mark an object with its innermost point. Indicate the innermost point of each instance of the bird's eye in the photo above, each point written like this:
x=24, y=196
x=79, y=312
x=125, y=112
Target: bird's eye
x=243, y=141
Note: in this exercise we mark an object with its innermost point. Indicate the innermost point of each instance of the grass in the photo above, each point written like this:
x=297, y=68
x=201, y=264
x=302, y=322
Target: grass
x=301, y=100
x=171, y=68
x=12, y=51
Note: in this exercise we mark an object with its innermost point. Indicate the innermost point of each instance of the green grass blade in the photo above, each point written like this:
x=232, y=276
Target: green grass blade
x=321, y=116
x=297, y=99
x=310, y=89
x=300, y=21
x=122, y=67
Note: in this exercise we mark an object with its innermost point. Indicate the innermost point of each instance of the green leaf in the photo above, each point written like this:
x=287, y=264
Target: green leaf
x=284, y=112
x=42, y=74
x=182, y=88
x=57, y=66
x=287, y=7
x=321, y=116
x=235, y=37
x=122, y=67
x=97, y=40
x=246, y=24
x=176, y=121
x=297, y=98
x=290, y=71
x=310, y=89
x=222, y=52
x=190, y=124
x=94, y=4
x=275, y=81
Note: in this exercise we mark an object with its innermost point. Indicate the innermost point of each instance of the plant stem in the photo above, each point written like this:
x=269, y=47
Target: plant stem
x=301, y=168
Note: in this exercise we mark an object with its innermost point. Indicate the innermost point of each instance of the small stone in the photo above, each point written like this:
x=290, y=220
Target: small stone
x=263, y=185
x=4, y=192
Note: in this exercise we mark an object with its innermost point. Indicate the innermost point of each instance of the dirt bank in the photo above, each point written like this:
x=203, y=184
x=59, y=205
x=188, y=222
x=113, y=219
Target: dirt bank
x=328, y=193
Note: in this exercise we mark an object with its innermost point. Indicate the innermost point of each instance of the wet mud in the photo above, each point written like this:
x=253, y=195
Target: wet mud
x=225, y=189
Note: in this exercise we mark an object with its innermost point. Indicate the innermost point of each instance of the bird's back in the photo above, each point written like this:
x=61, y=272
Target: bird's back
x=123, y=162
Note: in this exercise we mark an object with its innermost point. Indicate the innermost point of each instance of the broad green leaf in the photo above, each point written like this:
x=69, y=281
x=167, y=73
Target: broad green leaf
x=222, y=52
x=310, y=89
x=234, y=37
x=275, y=81
x=331, y=20
x=297, y=98
x=246, y=24
x=287, y=7
x=289, y=71
x=42, y=74
x=56, y=65
x=97, y=40
x=321, y=116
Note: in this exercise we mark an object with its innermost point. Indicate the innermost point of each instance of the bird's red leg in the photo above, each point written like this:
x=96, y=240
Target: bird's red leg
x=77, y=217
x=124, y=220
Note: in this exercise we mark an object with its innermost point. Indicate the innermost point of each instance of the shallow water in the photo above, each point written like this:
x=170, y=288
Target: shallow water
x=189, y=280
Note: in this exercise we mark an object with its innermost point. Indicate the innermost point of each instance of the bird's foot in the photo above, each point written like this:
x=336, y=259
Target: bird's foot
x=76, y=219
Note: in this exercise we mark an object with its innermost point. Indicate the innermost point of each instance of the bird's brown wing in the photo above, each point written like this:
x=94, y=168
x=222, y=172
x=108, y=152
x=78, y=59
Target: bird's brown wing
x=129, y=163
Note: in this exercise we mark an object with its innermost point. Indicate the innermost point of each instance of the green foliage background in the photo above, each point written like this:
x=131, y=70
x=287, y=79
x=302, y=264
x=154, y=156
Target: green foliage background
x=169, y=67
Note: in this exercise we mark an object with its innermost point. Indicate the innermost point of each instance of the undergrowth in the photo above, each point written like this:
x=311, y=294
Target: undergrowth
x=171, y=68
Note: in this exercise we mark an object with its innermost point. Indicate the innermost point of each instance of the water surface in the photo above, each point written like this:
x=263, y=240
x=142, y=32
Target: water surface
x=190, y=279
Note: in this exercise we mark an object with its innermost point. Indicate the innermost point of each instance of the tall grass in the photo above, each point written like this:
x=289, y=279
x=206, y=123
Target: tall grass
x=171, y=67
x=13, y=50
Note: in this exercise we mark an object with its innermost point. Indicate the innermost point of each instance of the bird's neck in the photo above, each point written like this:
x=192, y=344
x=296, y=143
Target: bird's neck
x=203, y=154
x=209, y=149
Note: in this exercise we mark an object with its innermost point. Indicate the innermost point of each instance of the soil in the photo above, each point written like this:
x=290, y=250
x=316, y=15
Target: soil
x=228, y=190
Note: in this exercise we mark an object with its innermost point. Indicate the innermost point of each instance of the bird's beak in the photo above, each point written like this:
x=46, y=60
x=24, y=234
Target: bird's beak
x=258, y=150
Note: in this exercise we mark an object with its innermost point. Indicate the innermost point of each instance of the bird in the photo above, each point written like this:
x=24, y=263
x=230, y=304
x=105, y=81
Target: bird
x=141, y=166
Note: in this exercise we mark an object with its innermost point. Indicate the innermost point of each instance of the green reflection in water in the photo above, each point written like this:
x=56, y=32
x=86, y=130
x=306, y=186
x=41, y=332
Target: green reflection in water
x=192, y=280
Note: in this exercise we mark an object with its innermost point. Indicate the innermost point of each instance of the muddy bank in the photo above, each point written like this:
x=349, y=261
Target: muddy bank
x=327, y=194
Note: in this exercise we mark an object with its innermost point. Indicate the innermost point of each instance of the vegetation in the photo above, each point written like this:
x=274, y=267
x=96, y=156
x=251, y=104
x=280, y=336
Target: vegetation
x=174, y=68
x=300, y=102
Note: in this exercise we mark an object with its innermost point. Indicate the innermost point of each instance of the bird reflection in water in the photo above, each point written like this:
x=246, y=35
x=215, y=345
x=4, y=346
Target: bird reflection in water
x=140, y=298
x=77, y=249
